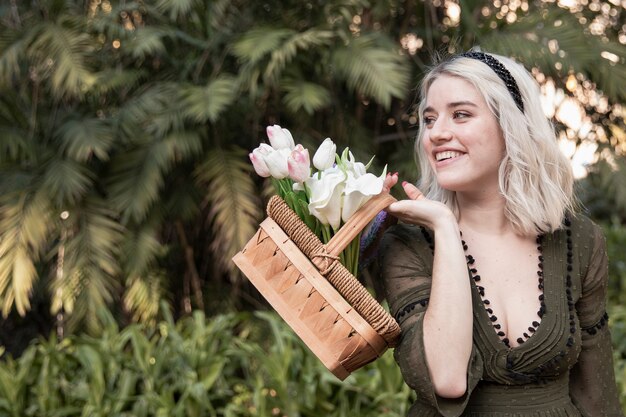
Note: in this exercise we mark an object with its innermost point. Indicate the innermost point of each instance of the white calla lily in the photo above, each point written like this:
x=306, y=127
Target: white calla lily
x=326, y=195
x=351, y=165
x=358, y=191
x=324, y=157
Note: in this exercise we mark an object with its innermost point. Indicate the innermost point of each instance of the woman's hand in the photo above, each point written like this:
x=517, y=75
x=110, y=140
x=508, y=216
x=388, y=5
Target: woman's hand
x=418, y=209
x=390, y=180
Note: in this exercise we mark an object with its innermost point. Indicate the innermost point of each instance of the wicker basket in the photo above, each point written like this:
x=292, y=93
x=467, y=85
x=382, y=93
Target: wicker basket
x=303, y=280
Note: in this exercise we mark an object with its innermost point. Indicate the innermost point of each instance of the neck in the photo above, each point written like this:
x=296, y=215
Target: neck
x=483, y=213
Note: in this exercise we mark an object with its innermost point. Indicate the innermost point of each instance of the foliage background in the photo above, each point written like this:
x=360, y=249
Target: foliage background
x=125, y=187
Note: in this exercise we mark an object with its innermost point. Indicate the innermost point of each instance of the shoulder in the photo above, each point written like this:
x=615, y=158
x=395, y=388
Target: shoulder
x=587, y=236
x=583, y=227
x=407, y=247
x=589, y=245
x=406, y=235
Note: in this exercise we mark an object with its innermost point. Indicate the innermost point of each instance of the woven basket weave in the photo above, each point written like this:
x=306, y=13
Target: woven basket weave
x=303, y=280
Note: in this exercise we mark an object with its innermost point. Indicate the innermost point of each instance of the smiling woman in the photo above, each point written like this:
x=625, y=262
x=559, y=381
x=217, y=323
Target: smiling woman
x=508, y=316
x=455, y=109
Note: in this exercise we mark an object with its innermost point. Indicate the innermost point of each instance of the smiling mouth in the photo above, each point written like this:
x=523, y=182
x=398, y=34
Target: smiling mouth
x=442, y=156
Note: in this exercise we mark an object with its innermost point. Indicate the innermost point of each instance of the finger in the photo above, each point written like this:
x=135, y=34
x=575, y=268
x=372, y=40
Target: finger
x=412, y=191
x=390, y=180
x=400, y=209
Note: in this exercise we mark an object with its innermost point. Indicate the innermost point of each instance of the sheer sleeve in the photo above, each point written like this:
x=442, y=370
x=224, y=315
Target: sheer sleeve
x=592, y=380
x=406, y=266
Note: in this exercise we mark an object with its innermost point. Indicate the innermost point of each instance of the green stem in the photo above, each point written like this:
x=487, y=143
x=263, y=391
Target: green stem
x=325, y=233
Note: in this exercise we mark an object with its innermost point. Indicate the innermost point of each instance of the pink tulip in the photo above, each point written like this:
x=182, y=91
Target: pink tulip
x=299, y=164
x=258, y=160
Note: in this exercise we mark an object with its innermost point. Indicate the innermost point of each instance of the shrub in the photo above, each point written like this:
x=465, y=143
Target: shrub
x=229, y=365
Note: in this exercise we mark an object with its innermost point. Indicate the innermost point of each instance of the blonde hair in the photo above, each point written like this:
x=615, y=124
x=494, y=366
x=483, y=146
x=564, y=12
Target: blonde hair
x=535, y=177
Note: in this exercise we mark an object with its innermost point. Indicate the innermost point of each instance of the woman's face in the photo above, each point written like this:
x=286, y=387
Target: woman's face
x=462, y=138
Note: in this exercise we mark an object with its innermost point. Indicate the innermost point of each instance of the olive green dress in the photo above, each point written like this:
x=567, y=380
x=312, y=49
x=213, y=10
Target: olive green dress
x=563, y=366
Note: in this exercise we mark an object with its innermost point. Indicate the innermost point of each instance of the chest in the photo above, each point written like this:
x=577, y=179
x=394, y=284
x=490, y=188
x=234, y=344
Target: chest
x=552, y=346
x=509, y=280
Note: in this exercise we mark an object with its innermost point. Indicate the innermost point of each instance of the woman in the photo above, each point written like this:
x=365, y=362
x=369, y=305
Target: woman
x=498, y=285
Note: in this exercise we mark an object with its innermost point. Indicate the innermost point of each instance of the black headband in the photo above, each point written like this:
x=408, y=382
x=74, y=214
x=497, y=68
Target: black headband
x=501, y=71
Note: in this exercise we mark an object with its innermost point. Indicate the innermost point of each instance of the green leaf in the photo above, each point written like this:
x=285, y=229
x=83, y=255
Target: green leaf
x=138, y=175
x=301, y=42
x=86, y=138
x=176, y=9
x=306, y=96
x=234, y=212
x=259, y=42
x=202, y=104
x=143, y=295
x=67, y=180
x=63, y=52
x=155, y=112
x=576, y=50
x=378, y=71
x=24, y=229
x=145, y=42
x=90, y=263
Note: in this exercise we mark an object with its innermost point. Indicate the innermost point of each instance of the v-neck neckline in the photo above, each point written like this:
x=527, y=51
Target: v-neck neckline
x=485, y=317
x=492, y=333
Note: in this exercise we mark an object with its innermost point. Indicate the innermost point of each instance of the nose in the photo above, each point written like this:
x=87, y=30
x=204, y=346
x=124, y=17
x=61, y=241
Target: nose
x=440, y=131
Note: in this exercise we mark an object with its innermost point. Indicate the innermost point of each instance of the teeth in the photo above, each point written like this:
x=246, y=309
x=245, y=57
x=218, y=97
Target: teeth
x=446, y=155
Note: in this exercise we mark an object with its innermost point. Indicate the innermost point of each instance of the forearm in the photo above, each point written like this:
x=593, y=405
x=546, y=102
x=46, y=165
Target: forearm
x=448, y=319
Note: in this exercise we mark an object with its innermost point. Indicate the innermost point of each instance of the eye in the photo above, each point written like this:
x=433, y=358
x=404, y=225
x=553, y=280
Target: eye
x=460, y=115
x=428, y=120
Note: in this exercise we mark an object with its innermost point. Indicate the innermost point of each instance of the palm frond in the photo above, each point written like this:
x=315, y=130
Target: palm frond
x=12, y=51
x=67, y=180
x=14, y=145
x=376, y=71
x=202, y=104
x=86, y=138
x=182, y=197
x=141, y=250
x=138, y=175
x=556, y=38
x=305, y=96
x=90, y=266
x=155, y=111
x=109, y=80
x=24, y=228
x=233, y=206
x=218, y=13
x=144, y=285
x=64, y=52
x=255, y=44
x=145, y=42
x=284, y=54
x=143, y=295
x=176, y=8
x=610, y=74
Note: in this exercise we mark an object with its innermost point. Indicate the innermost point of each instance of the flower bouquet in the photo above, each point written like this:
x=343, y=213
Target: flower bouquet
x=304, y=257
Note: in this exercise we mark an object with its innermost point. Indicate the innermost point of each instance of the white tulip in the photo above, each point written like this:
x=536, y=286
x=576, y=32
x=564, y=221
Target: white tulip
x=276, y=162
x=280, y=138
x=324, y=157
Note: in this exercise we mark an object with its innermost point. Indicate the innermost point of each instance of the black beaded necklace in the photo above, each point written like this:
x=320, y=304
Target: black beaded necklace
x=481, y=290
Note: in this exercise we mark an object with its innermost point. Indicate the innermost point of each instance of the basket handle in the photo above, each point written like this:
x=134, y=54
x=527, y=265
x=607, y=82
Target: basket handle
x=357, y=222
